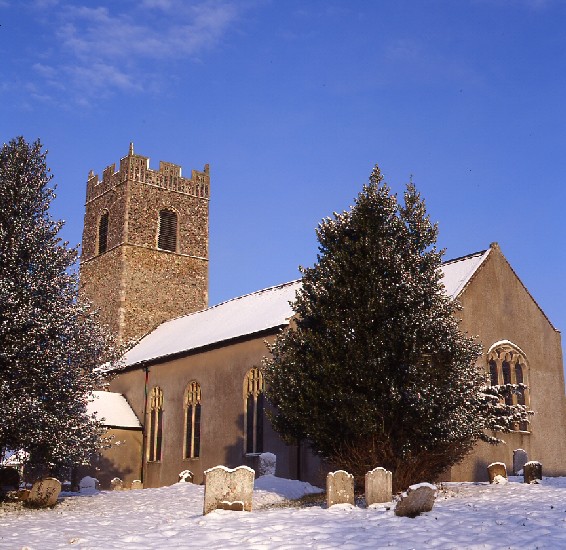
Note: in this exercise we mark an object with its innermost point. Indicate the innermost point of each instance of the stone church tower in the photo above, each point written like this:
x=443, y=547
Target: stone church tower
x=145, y=244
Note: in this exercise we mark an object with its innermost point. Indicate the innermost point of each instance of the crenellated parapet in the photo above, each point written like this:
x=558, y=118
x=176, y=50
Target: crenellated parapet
x=135, y=168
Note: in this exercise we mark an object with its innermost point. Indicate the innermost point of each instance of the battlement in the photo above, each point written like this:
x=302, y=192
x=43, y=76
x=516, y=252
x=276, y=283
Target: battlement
x=135, y=168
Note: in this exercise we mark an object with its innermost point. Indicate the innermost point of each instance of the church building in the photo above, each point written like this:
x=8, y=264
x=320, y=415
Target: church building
x=189, y=395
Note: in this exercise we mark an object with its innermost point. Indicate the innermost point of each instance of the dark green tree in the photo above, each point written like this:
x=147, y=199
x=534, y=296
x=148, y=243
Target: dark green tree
x=374, y=370
x=51, y=345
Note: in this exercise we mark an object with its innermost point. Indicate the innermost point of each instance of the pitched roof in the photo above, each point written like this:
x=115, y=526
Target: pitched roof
x=255, y=313
x=112, y=410
x=457, y=273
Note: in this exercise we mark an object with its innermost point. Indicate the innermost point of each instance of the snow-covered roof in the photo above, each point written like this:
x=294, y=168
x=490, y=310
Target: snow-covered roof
x=255, y=313
x=457, y=273
x=112, y=409
x=249, y=314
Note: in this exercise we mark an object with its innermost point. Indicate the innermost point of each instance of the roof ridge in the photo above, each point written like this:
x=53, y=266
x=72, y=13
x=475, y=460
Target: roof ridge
x=281, y=285
x=465, y=257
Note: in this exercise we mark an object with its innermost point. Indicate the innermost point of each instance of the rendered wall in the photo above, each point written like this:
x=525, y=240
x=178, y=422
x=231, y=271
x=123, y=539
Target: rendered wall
x=221, y=373
x=498, y=307
x=122, y=459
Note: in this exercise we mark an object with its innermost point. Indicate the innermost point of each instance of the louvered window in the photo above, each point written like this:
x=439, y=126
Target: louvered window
x=103, y=233
x=167, y=239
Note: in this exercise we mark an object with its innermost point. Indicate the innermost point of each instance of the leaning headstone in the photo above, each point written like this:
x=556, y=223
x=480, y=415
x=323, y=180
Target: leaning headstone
x=339, y=488
x=417, y=499
x=116, y=484
x=497, y=472
x=186, y=476
x=267, y=464
x=44, y=493
x=9, y=479
x=520, y=458
x=379, y=486
x=225, y=488
x=137, y=484
x=88, y=485
x=532, y=472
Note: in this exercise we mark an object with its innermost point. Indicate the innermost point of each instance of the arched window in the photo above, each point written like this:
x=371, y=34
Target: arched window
x=506, y=369
x=103, y=233
x=155, y=438
x=521, y=395
x=493, y=374
x=507, y=365
x=167, y=237
x=192, y=421
x=253, y=411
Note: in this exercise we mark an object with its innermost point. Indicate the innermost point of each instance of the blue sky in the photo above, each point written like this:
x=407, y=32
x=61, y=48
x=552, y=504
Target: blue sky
x=293, y=102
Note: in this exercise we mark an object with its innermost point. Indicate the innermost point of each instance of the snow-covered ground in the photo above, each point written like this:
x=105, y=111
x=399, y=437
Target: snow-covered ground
x=465, y=515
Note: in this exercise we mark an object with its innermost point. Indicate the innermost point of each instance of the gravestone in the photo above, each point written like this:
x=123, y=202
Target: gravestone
x=44, y=493
x=497, y=472
x=137, y=484
x=266, y=464
x=236, y=506
x=417, y=499
x=186, y=476
x=9, y=479
x=532, y=472
x=378, y=486
x=116, y=484
x=226, y=487
x=520, y=458
x=88, y=485
x=339, y=488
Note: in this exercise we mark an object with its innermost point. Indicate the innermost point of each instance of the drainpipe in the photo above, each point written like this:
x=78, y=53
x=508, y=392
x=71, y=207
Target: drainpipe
x=144, y=422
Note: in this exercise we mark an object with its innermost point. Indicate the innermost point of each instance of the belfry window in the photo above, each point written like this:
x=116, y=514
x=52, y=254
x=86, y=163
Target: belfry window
x=103, y=233
x=155, y=439
x=192, y=421
x=507, y=365
x=253, y=411
x=167, y=236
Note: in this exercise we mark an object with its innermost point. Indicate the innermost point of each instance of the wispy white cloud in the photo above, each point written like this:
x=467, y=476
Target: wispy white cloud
x=100, y=50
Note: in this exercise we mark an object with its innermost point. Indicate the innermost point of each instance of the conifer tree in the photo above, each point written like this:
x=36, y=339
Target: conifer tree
x=374, y=370
x=50, y=344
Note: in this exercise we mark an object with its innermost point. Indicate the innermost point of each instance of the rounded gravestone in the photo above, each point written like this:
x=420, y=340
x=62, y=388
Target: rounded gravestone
x=44, y=493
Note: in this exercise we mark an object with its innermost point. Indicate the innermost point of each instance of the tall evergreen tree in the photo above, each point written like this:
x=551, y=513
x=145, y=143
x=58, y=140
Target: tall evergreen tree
x=50, y=344
x=374, y=370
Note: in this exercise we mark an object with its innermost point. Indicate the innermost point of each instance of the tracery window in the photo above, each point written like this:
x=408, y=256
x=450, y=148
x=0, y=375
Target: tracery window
x=167, y=235
x=155, y=438
x=507, y=365
x=192, y=420
x=253, y=411
x=103, y=233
